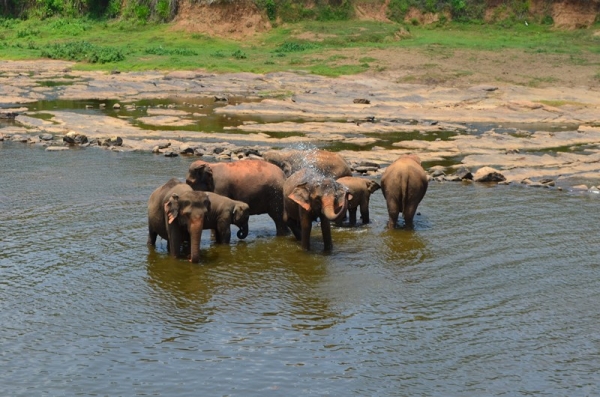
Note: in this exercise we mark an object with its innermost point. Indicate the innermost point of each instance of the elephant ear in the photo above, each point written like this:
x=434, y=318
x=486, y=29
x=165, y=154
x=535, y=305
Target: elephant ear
x=373, y=186
x=301, y=196
x=172, y=208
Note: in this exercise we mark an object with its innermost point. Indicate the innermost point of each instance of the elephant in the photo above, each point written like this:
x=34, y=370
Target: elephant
x=177, y=214
x=255, y=182
x=361, y=190
x=223, y=213
x=308, y=196
x=403, y=184
x=291, y=160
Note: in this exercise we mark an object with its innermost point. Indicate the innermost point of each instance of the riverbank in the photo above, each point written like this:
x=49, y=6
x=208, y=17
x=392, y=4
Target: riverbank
x=524, y=132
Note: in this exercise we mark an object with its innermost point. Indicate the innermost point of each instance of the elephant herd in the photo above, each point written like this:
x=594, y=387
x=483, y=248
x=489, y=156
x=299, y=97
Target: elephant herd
x=293, y=187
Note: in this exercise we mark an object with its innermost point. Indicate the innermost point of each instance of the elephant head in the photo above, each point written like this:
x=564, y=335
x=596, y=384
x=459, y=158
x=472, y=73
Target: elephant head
x=240, y=217
x=324, y=197
x=200, y=176
x=184, y=215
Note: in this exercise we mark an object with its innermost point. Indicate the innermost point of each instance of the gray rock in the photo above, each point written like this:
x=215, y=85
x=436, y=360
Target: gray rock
x=464, y=173
x=186, y=149
x=56, y=148
x=171, y=153
x=488, y=174
x=46, y=137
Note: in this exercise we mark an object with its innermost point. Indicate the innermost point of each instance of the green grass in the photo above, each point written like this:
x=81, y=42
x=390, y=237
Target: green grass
x=311, y=46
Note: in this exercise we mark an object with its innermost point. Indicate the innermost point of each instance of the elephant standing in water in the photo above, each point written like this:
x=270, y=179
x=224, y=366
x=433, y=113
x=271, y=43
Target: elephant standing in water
x=308, y=196
x=255, y=182
x=404, y=184
x=361, y=190
x=223, y=213
x=327, y=163
x=177, y=214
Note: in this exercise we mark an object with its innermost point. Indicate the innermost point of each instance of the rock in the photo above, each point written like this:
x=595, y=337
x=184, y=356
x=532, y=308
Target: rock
x=186, y=149
x=464, y=173
x=171, y=153
x=488, y=88
x=164, y=145
x=19, y=138
x=56, y=148
x=437, y=170
x=117, y=106
x=453, y=178
x=113, y=141
x=46, y=137
x=362, y=101
x=220, y=99
x=74, y=138
x=8, y=115
x=1, y=137
x=156, y=149
x=547, y=182
x=199, y=152
x=488, y=174
x=579, y=187
x=363, y=169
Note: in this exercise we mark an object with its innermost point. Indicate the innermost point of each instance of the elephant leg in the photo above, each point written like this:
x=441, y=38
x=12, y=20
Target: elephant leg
x=326, y=231
x=294, y=226
x=152, y=238
x=306, y=227
x=393, y=212
x=364, y=212
x=223, y=232
x=280, y=226
x=409, y=213
x=352, y=212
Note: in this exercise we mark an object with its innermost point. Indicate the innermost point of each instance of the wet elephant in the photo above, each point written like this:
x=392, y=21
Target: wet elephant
x=326, y=162
x=255, y=182
x=361, y=190
x=308, y=196
x=223, y=213
x=177, y=213
x=403, y=184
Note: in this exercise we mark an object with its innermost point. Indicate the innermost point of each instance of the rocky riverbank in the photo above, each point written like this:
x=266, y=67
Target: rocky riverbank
x=529, y=135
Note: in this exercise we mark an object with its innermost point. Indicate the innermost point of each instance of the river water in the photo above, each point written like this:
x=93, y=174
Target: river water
x=495, y=292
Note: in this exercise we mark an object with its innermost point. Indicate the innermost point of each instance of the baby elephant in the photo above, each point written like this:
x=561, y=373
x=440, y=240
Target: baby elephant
x=361, y=190
x=223, y=213
x=403, y=184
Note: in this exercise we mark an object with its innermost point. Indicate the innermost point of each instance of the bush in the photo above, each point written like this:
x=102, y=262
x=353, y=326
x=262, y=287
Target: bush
x=83, y=51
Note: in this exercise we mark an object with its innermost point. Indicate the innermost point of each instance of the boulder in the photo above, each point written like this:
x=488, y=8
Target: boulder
x=46, y=137
x=488, y=174
x=464, y=173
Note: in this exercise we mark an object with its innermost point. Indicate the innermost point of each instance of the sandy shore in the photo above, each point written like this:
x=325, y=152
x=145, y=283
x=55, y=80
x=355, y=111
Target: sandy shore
x=523, y=132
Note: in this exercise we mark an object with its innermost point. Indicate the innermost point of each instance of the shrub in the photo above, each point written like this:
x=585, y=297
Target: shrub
x=82, y=51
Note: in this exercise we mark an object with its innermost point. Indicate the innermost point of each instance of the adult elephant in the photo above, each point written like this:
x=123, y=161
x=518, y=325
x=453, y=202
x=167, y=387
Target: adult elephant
x=326, y=162
x=404, y=184
x=223, y=213
x=177, y=213
x=255, y=182
x=361, y=190
x=310, y=195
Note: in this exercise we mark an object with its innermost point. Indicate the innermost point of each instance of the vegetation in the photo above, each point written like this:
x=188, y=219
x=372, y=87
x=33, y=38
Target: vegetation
x=87, y=31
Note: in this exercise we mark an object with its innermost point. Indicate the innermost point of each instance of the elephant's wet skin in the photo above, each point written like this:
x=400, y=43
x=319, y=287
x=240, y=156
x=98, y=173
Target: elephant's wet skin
x=403, y=184
x=177, y=213
x=255, y=182
x=308, y=196
x=323, y=161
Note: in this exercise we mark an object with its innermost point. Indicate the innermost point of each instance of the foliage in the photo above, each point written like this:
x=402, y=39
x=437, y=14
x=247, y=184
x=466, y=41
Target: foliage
x=82, y=51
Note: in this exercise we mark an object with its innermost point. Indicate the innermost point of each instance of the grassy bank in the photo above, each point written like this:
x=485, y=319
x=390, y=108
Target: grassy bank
x=330, y=48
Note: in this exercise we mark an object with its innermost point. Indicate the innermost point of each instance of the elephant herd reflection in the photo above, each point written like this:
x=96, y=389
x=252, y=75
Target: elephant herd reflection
x=293, y=187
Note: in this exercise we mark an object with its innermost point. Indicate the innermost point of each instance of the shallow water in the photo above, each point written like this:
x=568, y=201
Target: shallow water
x=494, y=292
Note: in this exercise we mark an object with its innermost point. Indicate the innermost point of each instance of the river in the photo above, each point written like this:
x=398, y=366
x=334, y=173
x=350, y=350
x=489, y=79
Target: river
x=494, y=292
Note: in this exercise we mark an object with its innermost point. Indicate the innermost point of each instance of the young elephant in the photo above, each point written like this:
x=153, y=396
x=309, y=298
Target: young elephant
x=403, y=185
x=223, y=213
x=177, y=214
x=361, y=190
x=256, y=182
x=325, y=162
x=308, y=196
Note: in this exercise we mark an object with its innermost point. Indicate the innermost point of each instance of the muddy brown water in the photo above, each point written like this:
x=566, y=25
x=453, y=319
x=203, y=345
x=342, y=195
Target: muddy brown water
x=494, y=292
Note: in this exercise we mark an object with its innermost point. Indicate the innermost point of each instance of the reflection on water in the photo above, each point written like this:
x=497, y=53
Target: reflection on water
x=493, y=292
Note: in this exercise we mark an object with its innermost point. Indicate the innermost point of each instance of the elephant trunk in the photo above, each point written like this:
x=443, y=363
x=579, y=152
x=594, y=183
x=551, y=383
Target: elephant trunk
x=195, y=236
x=242, y=233
x=329, y=211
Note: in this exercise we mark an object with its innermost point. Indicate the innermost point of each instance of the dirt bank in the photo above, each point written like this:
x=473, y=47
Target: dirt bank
x=526, y=132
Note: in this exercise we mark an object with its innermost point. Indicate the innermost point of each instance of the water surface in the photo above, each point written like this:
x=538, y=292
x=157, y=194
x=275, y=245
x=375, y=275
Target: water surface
x=494, y=292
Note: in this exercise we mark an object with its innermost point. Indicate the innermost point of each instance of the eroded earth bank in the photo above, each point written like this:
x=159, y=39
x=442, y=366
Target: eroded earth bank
x=547, y=135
